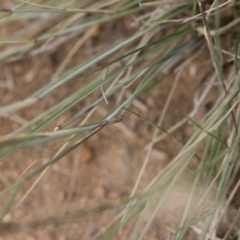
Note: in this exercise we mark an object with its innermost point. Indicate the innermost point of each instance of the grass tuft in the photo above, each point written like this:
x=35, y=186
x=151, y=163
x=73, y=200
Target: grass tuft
x=166, y=37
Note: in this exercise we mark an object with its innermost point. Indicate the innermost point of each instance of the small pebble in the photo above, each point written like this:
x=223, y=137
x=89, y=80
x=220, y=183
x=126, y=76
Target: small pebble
x=85, y=154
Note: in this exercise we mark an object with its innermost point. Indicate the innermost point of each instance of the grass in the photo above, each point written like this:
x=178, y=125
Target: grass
x=140, y=61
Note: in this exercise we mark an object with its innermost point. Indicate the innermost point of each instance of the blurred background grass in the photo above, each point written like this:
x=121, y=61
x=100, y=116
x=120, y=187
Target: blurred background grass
x=109, y=57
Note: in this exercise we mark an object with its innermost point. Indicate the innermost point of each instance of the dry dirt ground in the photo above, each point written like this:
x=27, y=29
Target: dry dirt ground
x=104, y=168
